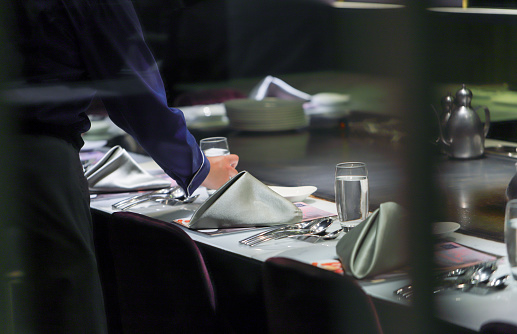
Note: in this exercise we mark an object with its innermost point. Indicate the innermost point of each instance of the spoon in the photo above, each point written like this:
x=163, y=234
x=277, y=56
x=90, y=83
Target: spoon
x=482, y=275
x=315, y=229
x=324, y=236
x=332, y=235
x=318, y=228
x=498, y=283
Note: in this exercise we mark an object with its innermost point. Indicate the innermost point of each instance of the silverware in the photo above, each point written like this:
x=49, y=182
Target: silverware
x=498, y=283
x=135, y=198
x=461, y=278
x=314, y=230
x=175, y=201
x=325, y=236
x=300, y=225
x=172, y=192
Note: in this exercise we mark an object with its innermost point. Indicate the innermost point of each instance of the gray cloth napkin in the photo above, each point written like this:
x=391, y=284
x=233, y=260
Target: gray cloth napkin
x=274, y=87
x=377, y=245
x=117, y=171
x=244, y=201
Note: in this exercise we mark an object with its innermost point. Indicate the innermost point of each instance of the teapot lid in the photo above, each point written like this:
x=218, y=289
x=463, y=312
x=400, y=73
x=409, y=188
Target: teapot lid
x=464, y=96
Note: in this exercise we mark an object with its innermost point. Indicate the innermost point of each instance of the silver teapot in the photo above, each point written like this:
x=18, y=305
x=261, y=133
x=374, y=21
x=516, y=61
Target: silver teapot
x=462, y=134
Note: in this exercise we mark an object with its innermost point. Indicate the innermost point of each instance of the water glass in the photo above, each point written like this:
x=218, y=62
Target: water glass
x=510, y=235
x=214, y=147
x=351, y=188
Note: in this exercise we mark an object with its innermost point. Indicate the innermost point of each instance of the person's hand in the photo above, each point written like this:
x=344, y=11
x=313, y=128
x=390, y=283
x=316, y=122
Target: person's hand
x=222, y=168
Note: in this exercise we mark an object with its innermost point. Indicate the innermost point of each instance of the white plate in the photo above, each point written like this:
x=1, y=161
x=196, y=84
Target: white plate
x=442, y=228
x=329, y=99
x=294, y=194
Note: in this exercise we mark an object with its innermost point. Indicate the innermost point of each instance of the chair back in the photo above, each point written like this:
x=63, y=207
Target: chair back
x=498, y=327
x=301, y=298
x=154, y=277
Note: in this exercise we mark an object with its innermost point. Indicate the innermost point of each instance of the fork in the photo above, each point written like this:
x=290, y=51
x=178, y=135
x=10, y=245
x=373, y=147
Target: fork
x=126, y=203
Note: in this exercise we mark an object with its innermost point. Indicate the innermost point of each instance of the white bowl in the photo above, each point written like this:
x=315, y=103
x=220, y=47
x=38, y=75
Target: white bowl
x=294, y=194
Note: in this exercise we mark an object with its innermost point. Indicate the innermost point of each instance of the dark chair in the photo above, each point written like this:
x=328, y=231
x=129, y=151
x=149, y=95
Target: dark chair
x=301, y=298
x=498, y=327
x=154, y=277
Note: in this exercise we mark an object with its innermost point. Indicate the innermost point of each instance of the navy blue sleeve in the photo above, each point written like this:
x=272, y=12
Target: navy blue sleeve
x=129, y=83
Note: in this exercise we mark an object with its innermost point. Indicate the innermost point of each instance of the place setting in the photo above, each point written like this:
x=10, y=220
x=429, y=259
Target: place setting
x=243, y=203
x=351, y=203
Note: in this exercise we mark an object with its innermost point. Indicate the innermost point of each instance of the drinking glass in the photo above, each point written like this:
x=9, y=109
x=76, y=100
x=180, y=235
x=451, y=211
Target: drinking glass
x=214, y=147
x=351, y=188
x=510, y=235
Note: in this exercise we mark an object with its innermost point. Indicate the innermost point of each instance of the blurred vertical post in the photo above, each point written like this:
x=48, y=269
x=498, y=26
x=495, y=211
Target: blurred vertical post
x=8, y=213
x=393, y=42
x=419, y=161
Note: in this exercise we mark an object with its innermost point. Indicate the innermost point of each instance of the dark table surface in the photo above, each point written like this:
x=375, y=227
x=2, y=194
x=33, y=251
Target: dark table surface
x=470, y=192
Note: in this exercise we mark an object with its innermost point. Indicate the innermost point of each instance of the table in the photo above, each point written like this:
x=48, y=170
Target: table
x=236, y=270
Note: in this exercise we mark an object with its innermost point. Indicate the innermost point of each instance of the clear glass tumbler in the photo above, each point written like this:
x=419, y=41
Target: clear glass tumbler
x=351, y=190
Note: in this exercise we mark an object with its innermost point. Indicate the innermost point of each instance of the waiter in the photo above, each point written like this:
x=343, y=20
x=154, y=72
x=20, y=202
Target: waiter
x=73, y=51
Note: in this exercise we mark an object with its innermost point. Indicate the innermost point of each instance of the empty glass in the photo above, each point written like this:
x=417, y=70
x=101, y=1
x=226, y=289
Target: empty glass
x=510, y=234
x=351, y=188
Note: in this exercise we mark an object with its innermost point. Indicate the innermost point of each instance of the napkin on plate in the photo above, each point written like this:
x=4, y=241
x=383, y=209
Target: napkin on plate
x=117, y=171
x=274, y=87
x=377, y=244
x=244, y=201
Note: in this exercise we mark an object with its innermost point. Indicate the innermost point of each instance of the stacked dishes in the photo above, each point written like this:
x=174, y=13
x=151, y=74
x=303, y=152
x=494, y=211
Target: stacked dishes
x=270, y=114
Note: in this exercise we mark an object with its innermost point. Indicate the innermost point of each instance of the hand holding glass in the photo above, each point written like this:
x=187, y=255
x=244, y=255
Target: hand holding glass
x=351, y=190
x=510, y=235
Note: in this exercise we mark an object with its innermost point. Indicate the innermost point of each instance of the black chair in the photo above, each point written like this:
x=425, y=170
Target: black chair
x=301, y=298
x=154, y=277
x=498, y=327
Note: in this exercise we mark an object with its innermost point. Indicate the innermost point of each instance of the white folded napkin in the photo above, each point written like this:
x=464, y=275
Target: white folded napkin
x=117, y=171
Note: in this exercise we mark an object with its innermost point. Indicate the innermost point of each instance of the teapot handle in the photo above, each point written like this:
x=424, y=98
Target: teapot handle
x=487, y=118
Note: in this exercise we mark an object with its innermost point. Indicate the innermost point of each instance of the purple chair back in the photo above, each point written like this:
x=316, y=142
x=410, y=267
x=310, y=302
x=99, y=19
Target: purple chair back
x=498, y=327
x=154, y=277
x=301, y=298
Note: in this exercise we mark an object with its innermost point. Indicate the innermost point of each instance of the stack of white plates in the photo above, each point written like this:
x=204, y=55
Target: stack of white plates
x=270, y=114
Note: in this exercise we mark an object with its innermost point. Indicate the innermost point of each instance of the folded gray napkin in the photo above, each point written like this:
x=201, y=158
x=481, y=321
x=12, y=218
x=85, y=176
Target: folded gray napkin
x=118, y=171
x=377, y=245
x=244, y=201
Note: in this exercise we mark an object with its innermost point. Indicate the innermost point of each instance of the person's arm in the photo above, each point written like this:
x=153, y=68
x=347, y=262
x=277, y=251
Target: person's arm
x=132, y=90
